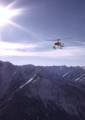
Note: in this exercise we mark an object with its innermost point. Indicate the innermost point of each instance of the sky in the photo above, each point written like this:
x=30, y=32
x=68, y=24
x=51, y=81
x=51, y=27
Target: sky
x=30, y=36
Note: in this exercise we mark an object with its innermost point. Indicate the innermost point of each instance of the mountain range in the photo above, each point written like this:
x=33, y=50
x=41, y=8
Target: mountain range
x=31, y=92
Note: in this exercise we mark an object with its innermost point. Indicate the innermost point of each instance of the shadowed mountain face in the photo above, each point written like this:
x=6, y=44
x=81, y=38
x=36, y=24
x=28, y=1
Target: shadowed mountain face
x=41, y=93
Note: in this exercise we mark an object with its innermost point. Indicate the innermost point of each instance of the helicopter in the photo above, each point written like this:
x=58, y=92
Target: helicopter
x=58, y=44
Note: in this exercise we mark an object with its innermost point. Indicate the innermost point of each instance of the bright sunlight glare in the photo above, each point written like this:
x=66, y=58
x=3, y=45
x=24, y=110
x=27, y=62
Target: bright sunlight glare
x=6, y=13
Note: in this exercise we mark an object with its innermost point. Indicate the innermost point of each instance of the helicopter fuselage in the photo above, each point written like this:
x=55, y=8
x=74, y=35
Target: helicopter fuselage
x=58, y=45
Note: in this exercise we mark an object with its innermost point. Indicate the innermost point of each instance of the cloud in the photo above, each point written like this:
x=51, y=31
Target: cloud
x=69, y=52
x=23, y=49
x=14, y=46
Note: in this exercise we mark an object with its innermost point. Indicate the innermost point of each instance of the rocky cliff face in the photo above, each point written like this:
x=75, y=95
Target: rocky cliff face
x=41, y=93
